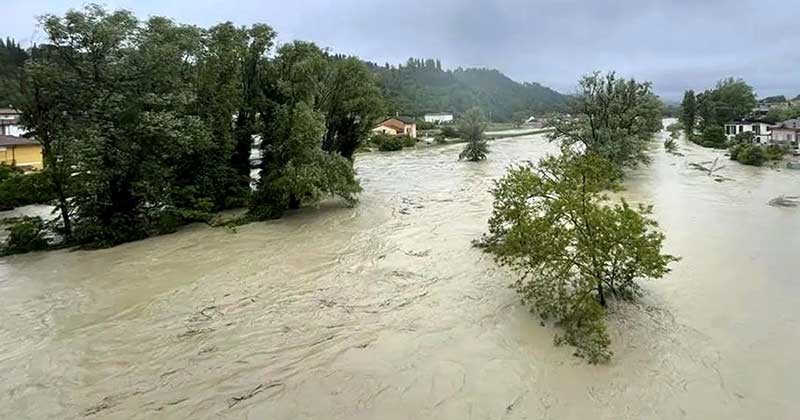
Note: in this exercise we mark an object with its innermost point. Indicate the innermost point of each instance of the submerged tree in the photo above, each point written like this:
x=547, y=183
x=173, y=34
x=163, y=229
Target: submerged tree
x=688, y=116
x=295, y=168
x=573, y=249
x=351, y=103
x=471, y=128
x=615, y=118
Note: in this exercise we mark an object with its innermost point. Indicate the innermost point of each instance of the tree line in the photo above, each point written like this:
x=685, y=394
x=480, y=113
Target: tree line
x=422, y=86
x=148, y=125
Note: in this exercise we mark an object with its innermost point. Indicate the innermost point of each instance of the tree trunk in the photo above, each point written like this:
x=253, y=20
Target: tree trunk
x=601, y=294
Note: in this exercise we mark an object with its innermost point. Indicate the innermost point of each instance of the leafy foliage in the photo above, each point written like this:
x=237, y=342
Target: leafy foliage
x=148, y=125
x=748, y=154
x=12, y=59
x=295, y=168
x=471, y=127
x=26, y=234
x=18, y=189
x=573, y=250
x=712, y=135
x=688, y=115
x=612, y=117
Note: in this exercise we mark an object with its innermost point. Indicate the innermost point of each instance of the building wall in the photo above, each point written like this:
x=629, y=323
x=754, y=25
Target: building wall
x=438, y=119
x=11, y=130
x=22, y=155
x=411, y=130
x=761, y=131
x=785, y=136
x=385, y=130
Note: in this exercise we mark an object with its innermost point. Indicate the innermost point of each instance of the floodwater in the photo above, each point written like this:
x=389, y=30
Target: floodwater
x=386, y=311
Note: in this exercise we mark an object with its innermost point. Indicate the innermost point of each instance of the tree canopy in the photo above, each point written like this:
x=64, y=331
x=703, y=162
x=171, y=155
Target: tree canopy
x=572, y=249
x=146, y=125
x=614, y=118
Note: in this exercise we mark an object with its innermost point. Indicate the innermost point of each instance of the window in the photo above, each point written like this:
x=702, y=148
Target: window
x=741, y=129
x=757, y=128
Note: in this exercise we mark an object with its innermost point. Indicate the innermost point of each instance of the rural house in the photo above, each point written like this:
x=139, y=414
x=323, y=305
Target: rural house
x=787, y=133
x=9, y=122
x=761, y=130
x=397, y=126
x=20, y=152
x=441, y=118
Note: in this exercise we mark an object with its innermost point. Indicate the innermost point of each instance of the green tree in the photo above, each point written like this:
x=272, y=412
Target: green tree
x=295, y=168
x=712, y=135
x=573, y=249
x=731, y=100
x=351, y=103
x=688, y=116
x=12, y=60
x=612, y=117
x=471, y=127
x=260, y=39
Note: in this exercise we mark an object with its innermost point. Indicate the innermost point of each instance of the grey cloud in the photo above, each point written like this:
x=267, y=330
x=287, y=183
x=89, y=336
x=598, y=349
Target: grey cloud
x=676, y=44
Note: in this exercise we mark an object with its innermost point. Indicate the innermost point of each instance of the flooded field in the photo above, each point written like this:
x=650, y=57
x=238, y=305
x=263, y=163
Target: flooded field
x=386, y=311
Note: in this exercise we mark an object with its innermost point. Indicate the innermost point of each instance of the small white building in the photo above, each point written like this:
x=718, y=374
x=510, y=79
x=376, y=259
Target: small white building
x=442, y=118
x=762, y=132
x=9, y=123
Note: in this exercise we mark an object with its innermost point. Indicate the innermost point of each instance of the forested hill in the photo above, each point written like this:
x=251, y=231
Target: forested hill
x=422, y=86
x=12, y=57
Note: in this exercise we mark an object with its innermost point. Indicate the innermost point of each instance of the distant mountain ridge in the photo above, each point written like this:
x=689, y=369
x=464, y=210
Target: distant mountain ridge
x=422, y=86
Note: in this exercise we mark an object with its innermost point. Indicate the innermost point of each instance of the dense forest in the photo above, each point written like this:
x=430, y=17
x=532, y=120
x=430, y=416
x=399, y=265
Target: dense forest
x=423, y=86
x=12, y=58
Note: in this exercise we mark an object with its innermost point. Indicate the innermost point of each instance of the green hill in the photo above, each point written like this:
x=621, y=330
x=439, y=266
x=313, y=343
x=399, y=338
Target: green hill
x=422, y=86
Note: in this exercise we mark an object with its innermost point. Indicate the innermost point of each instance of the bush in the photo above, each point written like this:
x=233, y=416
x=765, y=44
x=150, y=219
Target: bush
x=26, y=234
x=774, y=152
x=449, y=132
x=712, y=136
x=424, y=125
x=408, y=141
x=439, y=139
x=748, y=154
x=675, y=127
x=18, y=189
x=387, y=143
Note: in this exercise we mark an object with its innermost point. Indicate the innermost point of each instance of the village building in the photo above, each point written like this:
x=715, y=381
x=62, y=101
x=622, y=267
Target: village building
x=397, y=126
x=9, y=122
x=440, y=118
x=761, y=130
x=787, y=133
x=20, y=152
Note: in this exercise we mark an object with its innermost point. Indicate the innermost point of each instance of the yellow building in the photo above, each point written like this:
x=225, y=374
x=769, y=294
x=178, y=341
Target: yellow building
x=23, y=153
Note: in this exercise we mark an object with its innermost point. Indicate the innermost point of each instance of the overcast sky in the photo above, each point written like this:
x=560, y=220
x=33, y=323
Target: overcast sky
x=676, y=44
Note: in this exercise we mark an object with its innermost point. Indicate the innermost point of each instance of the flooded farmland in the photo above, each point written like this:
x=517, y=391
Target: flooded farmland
x=385, y=310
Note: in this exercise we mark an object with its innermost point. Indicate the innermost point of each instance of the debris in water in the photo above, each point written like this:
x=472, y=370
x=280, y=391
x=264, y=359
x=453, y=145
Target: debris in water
x=191, y=332
x=785, y=201
x=709, y=166
x=250, y=394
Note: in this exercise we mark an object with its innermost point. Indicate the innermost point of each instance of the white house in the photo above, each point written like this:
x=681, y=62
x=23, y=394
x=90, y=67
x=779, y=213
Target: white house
x=762, y=132
x=9, y=123
x=442, y=118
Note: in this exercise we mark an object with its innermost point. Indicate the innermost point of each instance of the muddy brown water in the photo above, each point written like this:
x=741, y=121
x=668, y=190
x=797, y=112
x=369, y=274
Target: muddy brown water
x=386, y=311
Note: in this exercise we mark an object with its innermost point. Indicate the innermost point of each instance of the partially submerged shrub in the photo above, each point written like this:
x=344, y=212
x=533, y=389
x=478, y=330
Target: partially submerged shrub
x=26, y=234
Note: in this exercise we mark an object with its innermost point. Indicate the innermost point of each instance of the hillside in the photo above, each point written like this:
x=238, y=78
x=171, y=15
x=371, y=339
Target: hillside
x=419, y=87
x=12, y=58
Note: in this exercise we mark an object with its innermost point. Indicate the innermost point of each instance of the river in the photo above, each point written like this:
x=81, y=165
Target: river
x=385, y=310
